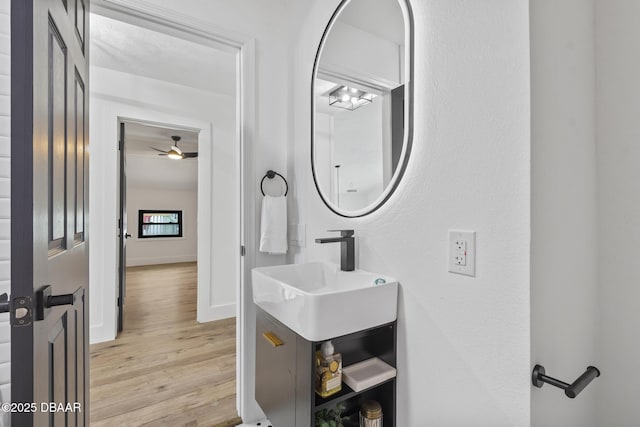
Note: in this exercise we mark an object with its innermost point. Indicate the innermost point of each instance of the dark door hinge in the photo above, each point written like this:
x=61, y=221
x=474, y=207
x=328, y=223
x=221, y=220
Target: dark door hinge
x=243, y=250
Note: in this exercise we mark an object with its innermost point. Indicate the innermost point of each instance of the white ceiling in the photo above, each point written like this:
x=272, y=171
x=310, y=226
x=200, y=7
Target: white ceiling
x=145, y=168
x=131, y=49
x=380, y=17
x=140, y=137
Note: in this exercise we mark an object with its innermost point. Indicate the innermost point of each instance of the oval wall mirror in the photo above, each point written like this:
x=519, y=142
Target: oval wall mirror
x=361, y=113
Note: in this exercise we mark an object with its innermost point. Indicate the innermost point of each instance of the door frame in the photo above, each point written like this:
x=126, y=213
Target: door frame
x=122, y=226
x=182, y=26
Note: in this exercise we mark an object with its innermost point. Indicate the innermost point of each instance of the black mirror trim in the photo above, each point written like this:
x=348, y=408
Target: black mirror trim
x=409, y=133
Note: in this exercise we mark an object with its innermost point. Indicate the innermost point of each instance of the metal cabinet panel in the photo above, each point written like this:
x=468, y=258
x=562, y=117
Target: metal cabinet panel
x=275, y=370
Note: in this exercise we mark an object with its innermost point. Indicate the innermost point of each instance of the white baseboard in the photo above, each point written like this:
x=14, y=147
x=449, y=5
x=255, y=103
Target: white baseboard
x=98, y=333
x=135, y=262
x=217, y=312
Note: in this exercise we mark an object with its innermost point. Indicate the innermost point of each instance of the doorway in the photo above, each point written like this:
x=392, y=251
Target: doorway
x=153, y=107
x=243, y=49
x=158, y=201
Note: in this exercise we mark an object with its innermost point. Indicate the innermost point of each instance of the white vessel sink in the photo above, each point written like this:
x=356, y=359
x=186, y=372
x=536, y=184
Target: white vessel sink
x=318, y=301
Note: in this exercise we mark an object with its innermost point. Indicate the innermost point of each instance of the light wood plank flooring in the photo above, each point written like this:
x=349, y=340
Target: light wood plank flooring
x=165, y=369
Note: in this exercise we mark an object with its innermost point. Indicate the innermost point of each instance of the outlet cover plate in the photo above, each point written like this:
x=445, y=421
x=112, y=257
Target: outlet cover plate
x=462, y=252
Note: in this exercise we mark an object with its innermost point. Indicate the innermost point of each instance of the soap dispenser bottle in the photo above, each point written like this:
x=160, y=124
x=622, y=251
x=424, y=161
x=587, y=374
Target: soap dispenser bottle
x=328, y=370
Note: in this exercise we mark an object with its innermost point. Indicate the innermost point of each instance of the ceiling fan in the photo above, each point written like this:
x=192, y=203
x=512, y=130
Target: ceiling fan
x=175, y=153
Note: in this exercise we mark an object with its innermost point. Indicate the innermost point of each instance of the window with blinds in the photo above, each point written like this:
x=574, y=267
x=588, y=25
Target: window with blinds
x=158, y=223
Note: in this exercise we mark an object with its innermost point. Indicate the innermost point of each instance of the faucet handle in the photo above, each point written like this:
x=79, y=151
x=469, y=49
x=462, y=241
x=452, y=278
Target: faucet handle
x=343, y=233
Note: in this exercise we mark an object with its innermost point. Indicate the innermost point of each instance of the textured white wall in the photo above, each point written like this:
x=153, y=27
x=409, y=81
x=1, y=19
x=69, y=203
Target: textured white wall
x=5, y=200
x=162, y=250
x=564, y=263
x=618, y=132
x=464, y=343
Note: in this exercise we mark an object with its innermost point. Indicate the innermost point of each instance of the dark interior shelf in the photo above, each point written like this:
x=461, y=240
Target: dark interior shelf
x=384, y=393
x=364, y=333
x=345, y=394
x=329, y=402
x=378, y=342
x=375, y=342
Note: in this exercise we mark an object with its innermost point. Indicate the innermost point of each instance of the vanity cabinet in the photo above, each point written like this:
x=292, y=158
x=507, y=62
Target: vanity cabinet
x=275, y=370
x=285, y=373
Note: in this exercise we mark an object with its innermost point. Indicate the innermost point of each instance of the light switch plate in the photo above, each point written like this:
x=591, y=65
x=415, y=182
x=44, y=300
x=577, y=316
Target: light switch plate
x=462, y=252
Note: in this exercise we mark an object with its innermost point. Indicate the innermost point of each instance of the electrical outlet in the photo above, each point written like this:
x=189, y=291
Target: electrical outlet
x=462, y=252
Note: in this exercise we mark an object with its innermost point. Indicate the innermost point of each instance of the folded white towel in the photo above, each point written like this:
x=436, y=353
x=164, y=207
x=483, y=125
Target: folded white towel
x=273, y=227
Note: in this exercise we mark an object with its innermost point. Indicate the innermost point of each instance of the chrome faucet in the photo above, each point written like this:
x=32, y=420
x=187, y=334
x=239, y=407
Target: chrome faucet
x=347, y=248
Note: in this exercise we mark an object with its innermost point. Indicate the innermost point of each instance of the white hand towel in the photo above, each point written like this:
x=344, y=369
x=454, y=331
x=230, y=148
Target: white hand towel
x=273, y=227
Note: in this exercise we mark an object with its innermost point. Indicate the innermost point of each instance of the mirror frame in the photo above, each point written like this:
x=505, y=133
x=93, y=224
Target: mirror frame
x=408, y=136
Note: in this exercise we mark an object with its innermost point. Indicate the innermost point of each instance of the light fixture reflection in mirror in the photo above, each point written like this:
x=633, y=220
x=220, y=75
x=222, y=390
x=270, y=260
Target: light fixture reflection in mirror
x=349, y=98
x=362, y=105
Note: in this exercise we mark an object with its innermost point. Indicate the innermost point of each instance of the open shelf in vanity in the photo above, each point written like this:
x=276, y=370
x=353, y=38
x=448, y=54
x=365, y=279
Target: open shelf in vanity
x=285, y=373
x=377, y=342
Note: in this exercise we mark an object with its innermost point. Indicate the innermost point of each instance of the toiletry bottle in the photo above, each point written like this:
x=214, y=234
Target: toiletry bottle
x=328, y=370
x=370, y=414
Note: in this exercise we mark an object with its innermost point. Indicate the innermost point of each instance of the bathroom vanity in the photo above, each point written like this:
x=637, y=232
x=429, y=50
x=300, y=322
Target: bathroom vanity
x=285, y=363
x=300, y=306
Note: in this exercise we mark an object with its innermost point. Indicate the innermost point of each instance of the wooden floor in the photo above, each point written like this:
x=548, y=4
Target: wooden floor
x=164, y=369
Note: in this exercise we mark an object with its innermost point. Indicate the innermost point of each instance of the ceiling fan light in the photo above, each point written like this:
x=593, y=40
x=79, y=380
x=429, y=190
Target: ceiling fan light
x=174, y=155
x=176, y=149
